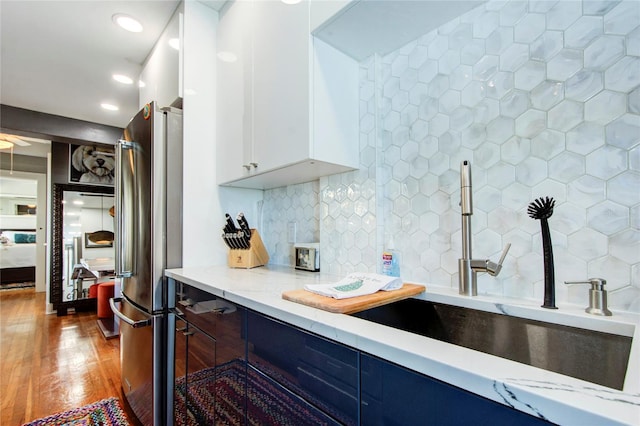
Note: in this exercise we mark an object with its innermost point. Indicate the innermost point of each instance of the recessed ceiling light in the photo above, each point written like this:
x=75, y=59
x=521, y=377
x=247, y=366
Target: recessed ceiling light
x=175, y=43
x=78, y=202
x=127, y=22
x=227, y=56
x=291, y=1
x=109, y=107
x=122, y=79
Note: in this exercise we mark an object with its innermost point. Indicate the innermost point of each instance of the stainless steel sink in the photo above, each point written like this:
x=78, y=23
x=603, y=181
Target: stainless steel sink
x=593, y=356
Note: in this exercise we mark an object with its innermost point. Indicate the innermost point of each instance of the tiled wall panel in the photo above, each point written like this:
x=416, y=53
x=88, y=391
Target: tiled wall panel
x=544, y=99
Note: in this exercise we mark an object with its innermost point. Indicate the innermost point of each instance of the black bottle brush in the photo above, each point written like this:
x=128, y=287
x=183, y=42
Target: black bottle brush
x=542, y=209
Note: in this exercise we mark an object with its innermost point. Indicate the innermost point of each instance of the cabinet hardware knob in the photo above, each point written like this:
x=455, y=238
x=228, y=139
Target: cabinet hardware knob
x=255, y=165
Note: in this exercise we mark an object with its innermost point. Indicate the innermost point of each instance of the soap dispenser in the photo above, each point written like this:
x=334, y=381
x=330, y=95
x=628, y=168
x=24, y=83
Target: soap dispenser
x=390, y=261
x=597, y=296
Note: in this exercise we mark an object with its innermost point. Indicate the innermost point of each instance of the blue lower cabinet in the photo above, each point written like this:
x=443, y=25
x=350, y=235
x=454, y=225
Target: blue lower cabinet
x=321, y=372
x=196, y=382
x=210, y=363
x=269, y=403
x=242, y=367
x=394, y=395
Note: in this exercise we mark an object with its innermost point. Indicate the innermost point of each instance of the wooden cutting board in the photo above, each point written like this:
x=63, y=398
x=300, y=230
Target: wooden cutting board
x=352, y=304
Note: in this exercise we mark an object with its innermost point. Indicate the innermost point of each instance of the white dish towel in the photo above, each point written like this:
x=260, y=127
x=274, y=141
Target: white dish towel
x=356, y=284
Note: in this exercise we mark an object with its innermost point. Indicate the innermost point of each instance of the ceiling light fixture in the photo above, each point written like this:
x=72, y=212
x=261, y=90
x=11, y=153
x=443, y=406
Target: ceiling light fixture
x=122, y=79
x=109, y=107
x=127, y=22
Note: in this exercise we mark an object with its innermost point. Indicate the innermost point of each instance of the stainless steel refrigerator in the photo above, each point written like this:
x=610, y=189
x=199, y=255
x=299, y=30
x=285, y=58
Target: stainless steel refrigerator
x=148, y=239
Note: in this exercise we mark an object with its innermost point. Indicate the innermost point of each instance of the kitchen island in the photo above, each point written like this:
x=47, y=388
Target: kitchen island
x=540, y=393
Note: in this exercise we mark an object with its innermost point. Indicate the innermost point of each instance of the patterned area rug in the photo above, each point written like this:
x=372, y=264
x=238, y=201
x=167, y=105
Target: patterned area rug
x=223, y=388
x=107, y=412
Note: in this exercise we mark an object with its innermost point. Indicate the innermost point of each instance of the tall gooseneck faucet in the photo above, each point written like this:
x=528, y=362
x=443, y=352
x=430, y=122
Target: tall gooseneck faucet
x=468, y=267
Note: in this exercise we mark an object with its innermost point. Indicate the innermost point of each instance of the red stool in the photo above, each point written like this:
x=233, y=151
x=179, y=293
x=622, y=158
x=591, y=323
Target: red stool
x=93, y=291
x=105, y=292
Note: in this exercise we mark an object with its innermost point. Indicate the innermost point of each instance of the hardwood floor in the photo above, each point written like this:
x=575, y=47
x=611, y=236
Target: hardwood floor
x=50, y=364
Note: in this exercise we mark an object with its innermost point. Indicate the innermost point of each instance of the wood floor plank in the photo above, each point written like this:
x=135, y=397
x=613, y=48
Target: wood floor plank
x=50, y=364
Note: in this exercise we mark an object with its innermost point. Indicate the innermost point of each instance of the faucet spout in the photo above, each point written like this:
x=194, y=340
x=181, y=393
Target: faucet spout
x=468, y=267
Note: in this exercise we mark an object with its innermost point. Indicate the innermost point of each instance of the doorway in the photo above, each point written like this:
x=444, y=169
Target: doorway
x=23, y=223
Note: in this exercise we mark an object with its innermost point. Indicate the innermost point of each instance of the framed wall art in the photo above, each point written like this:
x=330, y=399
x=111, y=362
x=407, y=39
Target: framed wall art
x=92, y=164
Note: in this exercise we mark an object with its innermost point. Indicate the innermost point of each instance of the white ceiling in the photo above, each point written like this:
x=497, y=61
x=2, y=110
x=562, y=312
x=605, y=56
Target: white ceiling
x=58, y=57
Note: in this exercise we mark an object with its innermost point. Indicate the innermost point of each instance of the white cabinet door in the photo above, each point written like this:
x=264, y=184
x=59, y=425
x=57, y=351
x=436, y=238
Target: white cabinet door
x=335, y=106
x=280, y=83
x=234, y=91
x=161, y=75
x=273, y=128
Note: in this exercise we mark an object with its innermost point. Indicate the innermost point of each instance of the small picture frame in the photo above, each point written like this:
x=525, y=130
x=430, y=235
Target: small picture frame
x=92, y=164
x=25, y=209
x=90, y=244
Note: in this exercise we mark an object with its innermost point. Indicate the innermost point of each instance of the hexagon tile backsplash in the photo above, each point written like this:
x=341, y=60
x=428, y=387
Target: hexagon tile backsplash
x=543, y=98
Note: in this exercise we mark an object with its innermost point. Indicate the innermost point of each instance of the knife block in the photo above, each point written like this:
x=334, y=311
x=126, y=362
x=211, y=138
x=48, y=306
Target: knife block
x=256, y=255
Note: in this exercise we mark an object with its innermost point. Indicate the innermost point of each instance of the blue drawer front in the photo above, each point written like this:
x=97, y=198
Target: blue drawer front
x=319, y=370
x=393, y=395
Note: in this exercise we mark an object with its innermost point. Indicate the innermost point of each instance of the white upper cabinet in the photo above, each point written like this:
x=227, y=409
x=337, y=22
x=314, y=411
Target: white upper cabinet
x=280, y=83
x=234, y=90
x=161, y=76
x=288, y=106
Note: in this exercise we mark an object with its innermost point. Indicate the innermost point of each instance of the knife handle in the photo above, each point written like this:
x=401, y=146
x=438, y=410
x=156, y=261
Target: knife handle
x=244, y=225
x=231, y=226
x=246, y=239
x=232, y=240
x=226, y=240
x=238, y=236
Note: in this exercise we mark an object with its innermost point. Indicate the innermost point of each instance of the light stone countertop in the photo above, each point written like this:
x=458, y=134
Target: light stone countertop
x=558, y=398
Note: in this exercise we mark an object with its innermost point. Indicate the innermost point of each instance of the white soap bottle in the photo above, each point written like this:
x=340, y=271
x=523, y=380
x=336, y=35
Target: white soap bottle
x=390, y=261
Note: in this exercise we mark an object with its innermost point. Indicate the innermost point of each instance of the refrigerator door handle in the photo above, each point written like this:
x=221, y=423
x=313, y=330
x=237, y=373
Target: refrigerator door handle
x=120, y=240
x=123, y=317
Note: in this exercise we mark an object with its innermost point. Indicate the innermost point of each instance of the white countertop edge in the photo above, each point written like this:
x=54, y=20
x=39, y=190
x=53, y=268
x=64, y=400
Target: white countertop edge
x=555, y=397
